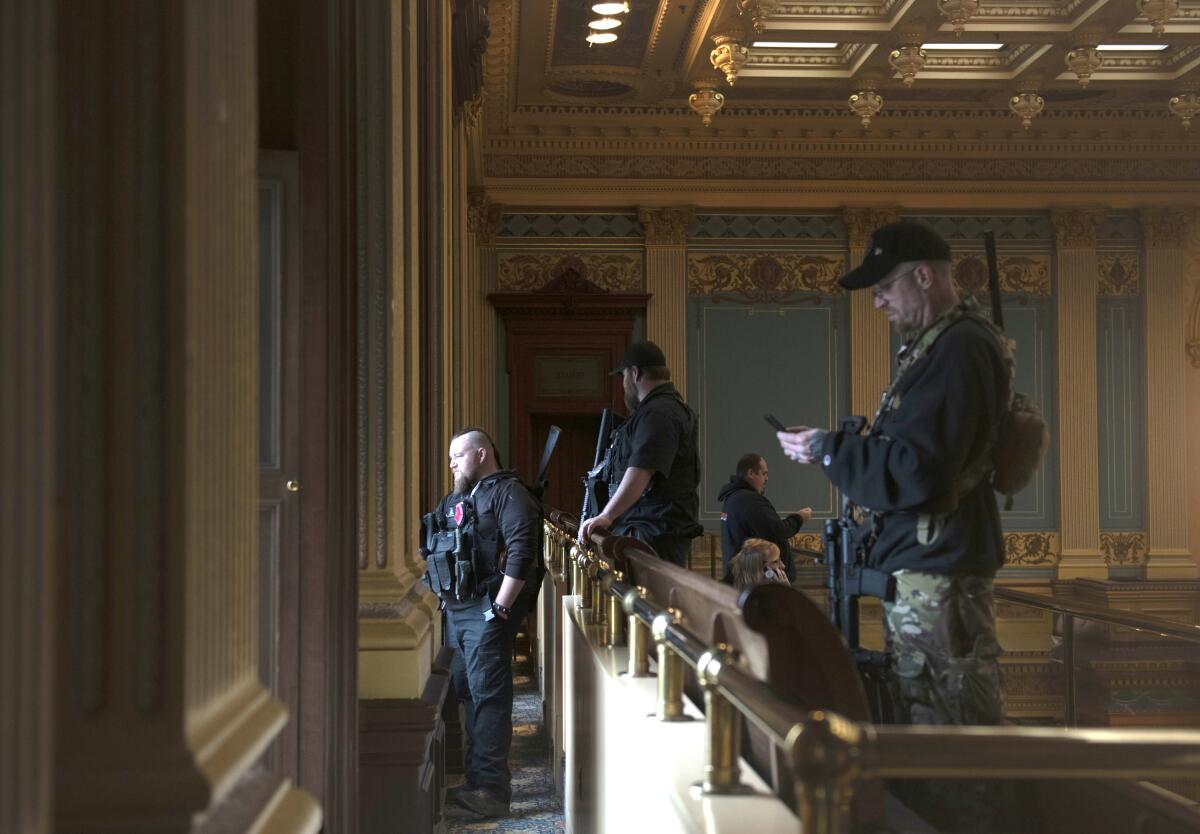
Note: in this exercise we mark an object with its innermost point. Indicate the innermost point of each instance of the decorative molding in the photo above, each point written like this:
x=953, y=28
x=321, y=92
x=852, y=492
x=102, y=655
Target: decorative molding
x=1075, y=228
x=1120, y=273
x=1123, y=548
x=483, y=217
x=767, y=226
x=1026, y=228
x=764, y=278
x=1027, y=549
x=825, y=168
x=531, y=272
x=1019, y=274
x=1168, y=227
x=666, y=226
x=861, y=222
x=570, y=225
x=808, y=541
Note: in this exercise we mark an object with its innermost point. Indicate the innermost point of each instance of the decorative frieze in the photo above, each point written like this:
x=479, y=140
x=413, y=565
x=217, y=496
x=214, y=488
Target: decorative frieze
x=666, y=226
x=861, y=222
x=814, y=542
x=1167, y=228
x=483, y=218
x=1031, y=548
x=764, y=278
x=1019, y=274
x=1123, y=549
x=530, y=272
x=1120, y=274
x=1075, y=228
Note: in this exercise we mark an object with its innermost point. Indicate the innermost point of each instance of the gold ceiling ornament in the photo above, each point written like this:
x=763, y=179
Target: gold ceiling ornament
x=1026, y=104
x=758, y=11
x=866, y=103
x=706, y=101
x=730, y=54
x=907, y=60
x=958, y=12
x=1083, y=61
x=1185, y=104
x=1158, y=12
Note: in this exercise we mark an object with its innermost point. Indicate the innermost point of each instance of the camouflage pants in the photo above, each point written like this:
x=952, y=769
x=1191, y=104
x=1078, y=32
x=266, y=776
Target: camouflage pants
x=941, y=634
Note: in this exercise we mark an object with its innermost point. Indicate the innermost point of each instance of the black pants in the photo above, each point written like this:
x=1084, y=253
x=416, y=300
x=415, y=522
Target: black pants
x=673, y=549
x=481, y=674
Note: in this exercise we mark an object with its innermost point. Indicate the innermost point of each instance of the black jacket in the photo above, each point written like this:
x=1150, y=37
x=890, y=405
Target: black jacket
x=747, y=515
x=948, y=409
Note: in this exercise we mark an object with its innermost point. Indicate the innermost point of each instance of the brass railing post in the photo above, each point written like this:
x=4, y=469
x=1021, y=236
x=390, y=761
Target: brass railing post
x=598, y=606
x=616, y=619
x=723, y=726
x=824, y=750
x=639, y=637
x=581, y=586
x=670, y=671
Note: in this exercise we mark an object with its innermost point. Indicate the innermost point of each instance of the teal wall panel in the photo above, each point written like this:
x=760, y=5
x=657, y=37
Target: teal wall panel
x=746, y=360
x=1120, y=370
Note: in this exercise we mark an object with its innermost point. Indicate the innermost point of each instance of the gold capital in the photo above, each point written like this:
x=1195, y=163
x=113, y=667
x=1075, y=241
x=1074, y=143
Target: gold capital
x=1167, y=227
x=667, y=226
x=483, y=217
x=1075, y=227
x=861, y=222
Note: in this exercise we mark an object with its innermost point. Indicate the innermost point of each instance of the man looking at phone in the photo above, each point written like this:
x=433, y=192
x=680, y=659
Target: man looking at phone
x=747, y=513
x=922, y=470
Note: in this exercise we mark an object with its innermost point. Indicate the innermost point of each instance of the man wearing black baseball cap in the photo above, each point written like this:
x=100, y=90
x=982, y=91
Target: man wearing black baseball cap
x=922, y=469
x=654, y=463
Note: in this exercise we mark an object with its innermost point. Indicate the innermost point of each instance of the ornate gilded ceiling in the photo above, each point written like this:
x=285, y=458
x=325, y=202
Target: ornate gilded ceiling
x=557, y=107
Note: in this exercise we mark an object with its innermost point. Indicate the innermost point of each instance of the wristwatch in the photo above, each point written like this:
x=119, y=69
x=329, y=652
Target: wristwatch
x=498, y=610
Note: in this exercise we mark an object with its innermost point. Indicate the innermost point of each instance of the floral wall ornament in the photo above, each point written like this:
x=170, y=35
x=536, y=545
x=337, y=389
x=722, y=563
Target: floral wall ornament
x=866, y=103
x=907, y=60
x=1083, y=61
x=730, y=54
x=1185, y=105
x=1026, y=104
x=706, y=101
x=958, y=12
x=758, y=11
x=1158, y=12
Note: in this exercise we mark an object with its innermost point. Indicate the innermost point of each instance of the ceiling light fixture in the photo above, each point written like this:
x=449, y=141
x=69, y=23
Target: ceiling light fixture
x=730, y=55
x=601, y=37
x=1133, y=47
x=706, y=101
x=796, y=44
x=958, y=12
x=758, y=11
x=1158, y=12
x=607, y=9
x=1083, y=61
x=1026, y=104
x=1185, y=105
x=965, y=47
x=866, y=103
x=604, y=24
x=907, y=60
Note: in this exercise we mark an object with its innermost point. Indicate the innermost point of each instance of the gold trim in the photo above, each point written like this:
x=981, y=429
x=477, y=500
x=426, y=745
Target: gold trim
x=1123, y=548
x=1019, y=274
x=764, y=278
x=1032, y=548
x=1120, y=274
x=529, y=272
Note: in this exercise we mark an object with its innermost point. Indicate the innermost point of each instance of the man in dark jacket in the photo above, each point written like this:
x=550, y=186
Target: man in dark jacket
x=747, y=513
x=920, y=475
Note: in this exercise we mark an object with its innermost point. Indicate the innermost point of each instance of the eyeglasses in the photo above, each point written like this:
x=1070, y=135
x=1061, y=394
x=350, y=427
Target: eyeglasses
x=879, y=289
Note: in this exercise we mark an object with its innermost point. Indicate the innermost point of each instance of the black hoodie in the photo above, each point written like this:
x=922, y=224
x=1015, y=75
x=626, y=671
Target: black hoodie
x=747, y=515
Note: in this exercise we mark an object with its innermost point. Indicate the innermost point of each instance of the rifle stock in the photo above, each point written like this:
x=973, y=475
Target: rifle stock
x=595, y=488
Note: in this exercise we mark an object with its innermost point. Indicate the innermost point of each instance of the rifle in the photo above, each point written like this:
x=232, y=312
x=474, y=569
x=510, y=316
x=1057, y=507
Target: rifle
x=595, y=487
x=989, y=245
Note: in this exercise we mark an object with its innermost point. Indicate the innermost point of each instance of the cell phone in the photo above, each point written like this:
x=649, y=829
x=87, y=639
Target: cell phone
x=775, y=424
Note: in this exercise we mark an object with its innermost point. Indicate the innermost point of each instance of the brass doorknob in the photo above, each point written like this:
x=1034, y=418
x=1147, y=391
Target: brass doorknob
x=293, y=486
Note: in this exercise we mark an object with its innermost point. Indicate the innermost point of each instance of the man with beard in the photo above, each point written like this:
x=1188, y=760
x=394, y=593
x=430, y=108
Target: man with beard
x=747, y=513
x=654, y=468
x=920, y=474
x=501, y=522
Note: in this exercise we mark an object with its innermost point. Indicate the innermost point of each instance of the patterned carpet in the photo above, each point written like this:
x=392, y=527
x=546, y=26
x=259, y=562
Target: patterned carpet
x=535, y=807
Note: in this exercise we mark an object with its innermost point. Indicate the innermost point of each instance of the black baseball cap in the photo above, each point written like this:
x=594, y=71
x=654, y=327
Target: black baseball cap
x=641, y=355
x=892, y=245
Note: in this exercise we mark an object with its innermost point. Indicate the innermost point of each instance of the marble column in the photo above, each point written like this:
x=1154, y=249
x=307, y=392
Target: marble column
x=161, y=717
x=665, y=231
x=870, y=341
x=1165, y=232
x=1078, y=410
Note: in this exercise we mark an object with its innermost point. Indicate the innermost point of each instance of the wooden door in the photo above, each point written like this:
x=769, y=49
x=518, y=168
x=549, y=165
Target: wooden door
x=280, y=488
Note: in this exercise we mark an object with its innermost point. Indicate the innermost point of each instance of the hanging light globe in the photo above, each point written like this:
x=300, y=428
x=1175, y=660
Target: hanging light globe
x=609, y=9
x=601, y=37
x=603, y=24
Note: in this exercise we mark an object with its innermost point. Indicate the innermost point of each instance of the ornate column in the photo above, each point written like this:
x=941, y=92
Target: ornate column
x=665, y=230
x=1165, y=232
x=870, y=344
x=161, y=717
x=1078, y=420
x=484, y=224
